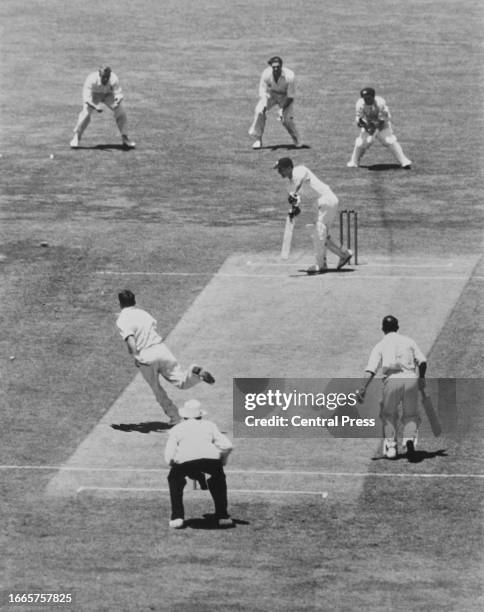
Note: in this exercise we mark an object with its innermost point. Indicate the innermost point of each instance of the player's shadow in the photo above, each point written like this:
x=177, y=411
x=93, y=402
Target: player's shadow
x=106, y=147
x=288, y=147
x=303, y=272
x=208, y=522
x=382, y=167
x=145, y=428
x=416, y=457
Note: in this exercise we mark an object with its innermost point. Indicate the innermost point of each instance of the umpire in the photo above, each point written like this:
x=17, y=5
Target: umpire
x=196, y=447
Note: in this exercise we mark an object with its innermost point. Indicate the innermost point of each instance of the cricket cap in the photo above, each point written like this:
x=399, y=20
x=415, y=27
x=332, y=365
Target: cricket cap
x=367, y=91
x=275, y=61
x=192, y=409
x=389, y=324
x=283, y=162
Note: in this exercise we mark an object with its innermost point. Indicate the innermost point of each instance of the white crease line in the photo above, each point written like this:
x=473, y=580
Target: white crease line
x=296, y=273
x=248, y=472
x=231, y=491
x=367, y=265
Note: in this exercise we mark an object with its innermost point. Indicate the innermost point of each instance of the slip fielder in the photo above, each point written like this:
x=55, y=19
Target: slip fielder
x=276, y=88
x=102, y=87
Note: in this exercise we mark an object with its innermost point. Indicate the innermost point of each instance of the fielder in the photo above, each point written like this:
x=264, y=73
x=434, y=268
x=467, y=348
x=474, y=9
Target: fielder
x=403, y=366
x=276, y=87
x=303, y=181
x=195, y=447
x=373, y=117
x=152, y=356
x=102, y=87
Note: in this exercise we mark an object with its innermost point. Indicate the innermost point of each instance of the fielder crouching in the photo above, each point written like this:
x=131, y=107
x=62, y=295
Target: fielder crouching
x=373, y=117
x=102, y=87
x=196, y=447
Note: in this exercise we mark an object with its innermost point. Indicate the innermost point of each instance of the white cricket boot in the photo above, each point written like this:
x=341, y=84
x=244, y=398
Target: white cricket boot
x=257, y=144
x=399, y=155
x=75, y=141
x=389, y=448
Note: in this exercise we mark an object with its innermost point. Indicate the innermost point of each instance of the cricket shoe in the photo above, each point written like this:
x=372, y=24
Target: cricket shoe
x=296, y=143
x=315, y=269
x=177, y=523
x=407, y=165
x=203, y=375
x=352, y=164
x=389, y=448
x=257, y=144
x=174, y=421
x=344, y=259
x=225, y=521
x=129, y=144
x=75, y=142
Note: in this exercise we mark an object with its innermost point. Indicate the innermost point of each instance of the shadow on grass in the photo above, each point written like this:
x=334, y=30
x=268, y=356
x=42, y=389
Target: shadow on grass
x=147, y=427
x=416, y=457
x=382, y=167
x=209, y=522
x=105, y=147
x=288, y=147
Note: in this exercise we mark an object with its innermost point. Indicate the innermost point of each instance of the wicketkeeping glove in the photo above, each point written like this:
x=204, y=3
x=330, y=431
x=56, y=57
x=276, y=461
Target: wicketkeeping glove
x=369, y=127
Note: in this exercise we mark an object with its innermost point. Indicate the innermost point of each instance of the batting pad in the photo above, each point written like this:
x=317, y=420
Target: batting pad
x=259, y=317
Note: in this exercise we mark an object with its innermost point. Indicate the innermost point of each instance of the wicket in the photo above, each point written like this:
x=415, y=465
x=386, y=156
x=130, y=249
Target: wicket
x=348, y=218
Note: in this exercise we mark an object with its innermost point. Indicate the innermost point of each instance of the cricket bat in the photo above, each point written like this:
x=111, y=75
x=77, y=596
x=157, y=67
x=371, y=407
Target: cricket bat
x=288, y=232
x=431, y=414
x=287, y=239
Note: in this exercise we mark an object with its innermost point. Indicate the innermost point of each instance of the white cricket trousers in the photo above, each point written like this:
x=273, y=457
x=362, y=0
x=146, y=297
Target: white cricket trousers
x=387, y=138
x=399, y=391
x=319, y=231
x=119, y=115
x=158, y=360
x=259, y=123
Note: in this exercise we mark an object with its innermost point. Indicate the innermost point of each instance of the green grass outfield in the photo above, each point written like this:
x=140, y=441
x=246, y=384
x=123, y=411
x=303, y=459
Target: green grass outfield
x=167, y=219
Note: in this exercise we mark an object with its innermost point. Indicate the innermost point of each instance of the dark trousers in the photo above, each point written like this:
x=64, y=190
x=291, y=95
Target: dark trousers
x=217, y=484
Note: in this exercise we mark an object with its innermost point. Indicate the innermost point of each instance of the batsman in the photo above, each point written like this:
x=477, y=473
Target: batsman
x=303, y=182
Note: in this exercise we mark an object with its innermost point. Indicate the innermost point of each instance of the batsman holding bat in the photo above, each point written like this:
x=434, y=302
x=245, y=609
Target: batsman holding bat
x=373, y=117
x=102, y=87
x=304, y=182
x=403, y=366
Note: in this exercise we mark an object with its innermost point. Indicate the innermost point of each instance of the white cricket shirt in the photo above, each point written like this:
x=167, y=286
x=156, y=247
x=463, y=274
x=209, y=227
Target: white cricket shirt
x=133, y=321
x=396, y=355
x=195, y=439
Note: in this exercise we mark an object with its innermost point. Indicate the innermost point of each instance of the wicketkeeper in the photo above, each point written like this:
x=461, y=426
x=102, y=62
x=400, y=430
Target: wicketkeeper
x=102, y=87
x=403, y=366
x=373, y=117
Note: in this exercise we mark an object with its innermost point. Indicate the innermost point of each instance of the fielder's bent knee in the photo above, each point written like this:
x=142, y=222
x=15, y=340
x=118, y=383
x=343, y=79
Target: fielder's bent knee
x=389, y=140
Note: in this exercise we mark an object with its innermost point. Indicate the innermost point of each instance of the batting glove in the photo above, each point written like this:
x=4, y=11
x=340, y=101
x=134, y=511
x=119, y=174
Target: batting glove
x=294, y=199
x=295, y=210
